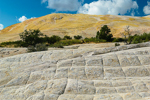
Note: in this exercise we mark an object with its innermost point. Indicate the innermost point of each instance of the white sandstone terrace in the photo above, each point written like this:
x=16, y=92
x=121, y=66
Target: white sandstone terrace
x=114, y=73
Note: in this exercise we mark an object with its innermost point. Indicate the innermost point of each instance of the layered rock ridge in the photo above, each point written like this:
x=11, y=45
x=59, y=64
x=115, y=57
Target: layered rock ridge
x=117, y=73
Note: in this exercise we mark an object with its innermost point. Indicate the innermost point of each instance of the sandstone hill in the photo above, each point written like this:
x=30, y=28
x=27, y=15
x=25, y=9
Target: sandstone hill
x=77, y=24
x=114, y=73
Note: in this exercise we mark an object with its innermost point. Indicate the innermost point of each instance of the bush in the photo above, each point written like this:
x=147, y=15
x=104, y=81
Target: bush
x=117, y=44
x=41, y=47
x=53, y=39
x=78, y=37
x=115, y=40
x=146, y=40
x=31, y=37
x=67, y=37
x=18, y=43
x=136, y=40
x=37, y=47
x=57, y=45
x=139, y=38
x=62, y=43
x=31, y=48
x=145, y=36
x=95, y=40
x=118, y=40
x=70, y=42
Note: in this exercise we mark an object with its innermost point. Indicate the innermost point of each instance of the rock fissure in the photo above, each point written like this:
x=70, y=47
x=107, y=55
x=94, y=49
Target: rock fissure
x=119, y=75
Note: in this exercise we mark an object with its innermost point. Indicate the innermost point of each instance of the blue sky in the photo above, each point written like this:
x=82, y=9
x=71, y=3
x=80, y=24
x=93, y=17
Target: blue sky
x=16, y=11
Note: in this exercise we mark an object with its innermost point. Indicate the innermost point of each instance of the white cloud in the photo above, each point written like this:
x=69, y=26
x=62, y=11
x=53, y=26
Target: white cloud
x=146, y=9
x=113, y=7
x=32, y=17
x=23, y=18
x=63, y=5
x=43, y=1
x=1, y=26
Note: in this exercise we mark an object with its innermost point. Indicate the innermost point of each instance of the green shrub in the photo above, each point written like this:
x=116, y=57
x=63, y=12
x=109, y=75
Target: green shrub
x=57, y=45
x=62, y=43
x=146, y=40
x=31, y=48
x=70, y=42
x=18, y=43
x=53, y=39
x=41, y=47
x=118, y=40
x=95, y=40
x=117, y=44
x=78, y=37
x=31, y=37
x=137, y=39
x=115, y=40
x=145, y=36
x=66, y=37
x=37, y=47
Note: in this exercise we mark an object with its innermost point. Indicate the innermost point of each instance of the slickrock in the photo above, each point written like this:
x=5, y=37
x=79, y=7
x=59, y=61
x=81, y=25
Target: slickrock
x=6, y=52
x=114, y=73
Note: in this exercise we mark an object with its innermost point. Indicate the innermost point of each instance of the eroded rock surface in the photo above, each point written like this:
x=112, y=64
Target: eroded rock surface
x=6, y=52
x=116, y=73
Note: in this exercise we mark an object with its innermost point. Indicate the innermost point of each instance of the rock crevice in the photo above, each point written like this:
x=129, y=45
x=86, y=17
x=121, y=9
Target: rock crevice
x=102, y=74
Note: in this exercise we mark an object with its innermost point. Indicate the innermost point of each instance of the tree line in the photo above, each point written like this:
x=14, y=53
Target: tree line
x=35, y=40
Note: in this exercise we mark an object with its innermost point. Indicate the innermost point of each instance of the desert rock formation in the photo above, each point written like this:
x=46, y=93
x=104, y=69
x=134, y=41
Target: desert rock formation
x=114, y=73
x=6, y=52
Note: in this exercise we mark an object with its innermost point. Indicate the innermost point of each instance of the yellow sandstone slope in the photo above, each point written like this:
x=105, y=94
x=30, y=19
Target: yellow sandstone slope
x=77, y=24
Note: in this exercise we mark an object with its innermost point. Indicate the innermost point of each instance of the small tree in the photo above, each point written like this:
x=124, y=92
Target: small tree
x=78, y=37
x=127, y=35
x=104, y=33
x=31, y=37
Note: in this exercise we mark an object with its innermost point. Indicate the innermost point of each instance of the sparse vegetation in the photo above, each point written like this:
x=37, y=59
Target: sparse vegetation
x=66, y=37
x=37, y=41
x=12, y=44
x=118, y=40
x=126, y=35
x=62, y=43
x=78, y=37
x=117, y=44
x=31, y=48
x=41, y=47
x=37, y=47
x=57, y=45
x=53, y=39
x=93, y=39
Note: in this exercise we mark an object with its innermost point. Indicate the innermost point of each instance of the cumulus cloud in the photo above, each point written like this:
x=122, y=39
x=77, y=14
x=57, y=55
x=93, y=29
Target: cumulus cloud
x=43, y=1
x=113, y=7
x=23, y=18
x=146, y=9
x=1, y=26
x=63, y=5
x=32, y=17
